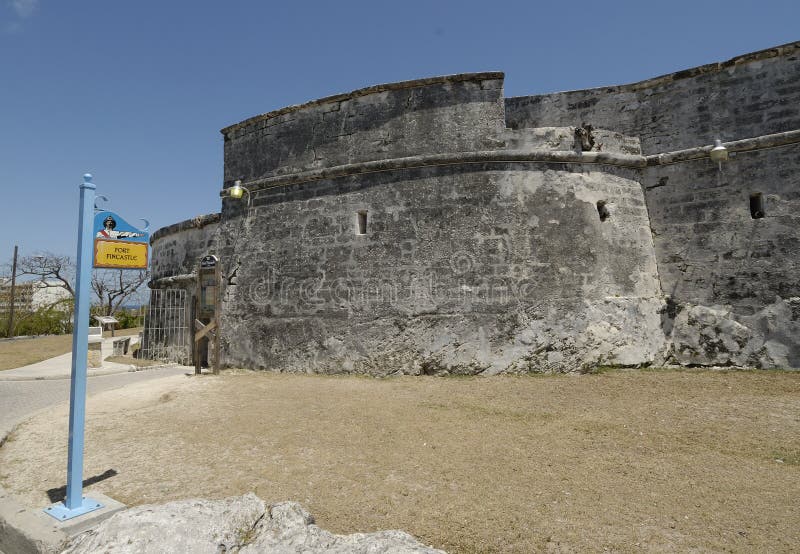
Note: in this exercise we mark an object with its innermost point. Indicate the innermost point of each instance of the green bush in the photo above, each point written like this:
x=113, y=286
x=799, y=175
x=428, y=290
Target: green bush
x=46, y=321
x=128, y=319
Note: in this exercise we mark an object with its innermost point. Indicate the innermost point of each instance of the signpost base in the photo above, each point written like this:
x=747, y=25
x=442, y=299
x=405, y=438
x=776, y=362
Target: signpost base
x=60, y=512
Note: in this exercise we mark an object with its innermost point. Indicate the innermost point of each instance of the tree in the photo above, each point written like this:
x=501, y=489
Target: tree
x=52, y=269
x=114, y=286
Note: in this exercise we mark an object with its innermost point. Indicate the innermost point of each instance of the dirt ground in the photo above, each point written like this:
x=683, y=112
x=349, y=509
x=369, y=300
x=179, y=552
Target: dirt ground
x=622, y=461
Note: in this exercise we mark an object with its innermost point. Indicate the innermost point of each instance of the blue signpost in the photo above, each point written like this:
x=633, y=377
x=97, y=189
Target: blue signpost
x=104, y=240
x=75, y=503
x=123, y=248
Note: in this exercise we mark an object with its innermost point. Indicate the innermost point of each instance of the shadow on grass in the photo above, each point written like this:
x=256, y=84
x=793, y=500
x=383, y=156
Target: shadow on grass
x=60, y=493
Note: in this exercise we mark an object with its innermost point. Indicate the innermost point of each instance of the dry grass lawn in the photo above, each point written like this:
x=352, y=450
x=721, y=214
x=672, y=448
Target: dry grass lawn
x=623, y=461
x=21, y=352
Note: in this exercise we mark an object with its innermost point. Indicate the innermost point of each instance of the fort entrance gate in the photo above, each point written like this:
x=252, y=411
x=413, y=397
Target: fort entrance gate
x=206, y=321
x=167, y=334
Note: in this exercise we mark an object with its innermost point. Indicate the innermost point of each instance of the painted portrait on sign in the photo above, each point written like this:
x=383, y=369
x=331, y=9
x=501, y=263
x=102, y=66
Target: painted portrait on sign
x=108, y=225
x=117, y=244
x=109, y=231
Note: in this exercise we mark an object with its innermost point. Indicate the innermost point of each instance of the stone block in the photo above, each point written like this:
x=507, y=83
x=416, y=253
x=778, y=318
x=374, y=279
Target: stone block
x=95, y=354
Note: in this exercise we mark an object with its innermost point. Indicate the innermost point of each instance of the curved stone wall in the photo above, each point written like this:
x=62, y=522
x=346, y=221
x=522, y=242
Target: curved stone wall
x=751, y=95
x=442, y=114
x=477, y=268
x=177, y=249
x=175, y=254
x=434, y=226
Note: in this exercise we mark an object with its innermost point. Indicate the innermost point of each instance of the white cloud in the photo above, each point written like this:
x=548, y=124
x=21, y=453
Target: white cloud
x=24, y=8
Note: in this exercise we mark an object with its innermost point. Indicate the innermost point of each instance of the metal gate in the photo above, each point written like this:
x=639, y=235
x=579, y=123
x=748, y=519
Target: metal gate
x=166, y=334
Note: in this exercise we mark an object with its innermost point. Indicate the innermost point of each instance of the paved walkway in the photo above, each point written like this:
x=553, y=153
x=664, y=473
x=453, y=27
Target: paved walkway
x=28, y=389
x=60, y=367
x=21, y=399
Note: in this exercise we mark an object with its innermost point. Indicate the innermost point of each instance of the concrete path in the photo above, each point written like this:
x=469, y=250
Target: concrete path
x=21, y=399
x=60, y=367
x=28, y=389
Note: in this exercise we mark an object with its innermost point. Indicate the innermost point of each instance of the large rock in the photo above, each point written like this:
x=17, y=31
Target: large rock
x=715, y=335
x=245, y=525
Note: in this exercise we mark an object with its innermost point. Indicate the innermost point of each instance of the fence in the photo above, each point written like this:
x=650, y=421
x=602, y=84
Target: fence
x=166, y=334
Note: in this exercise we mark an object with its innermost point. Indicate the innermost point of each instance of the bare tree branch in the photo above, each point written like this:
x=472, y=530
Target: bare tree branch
x=49, y=267
x=113, y=287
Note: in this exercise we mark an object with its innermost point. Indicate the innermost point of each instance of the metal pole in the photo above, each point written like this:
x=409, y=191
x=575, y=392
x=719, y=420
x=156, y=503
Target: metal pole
x=80, y=346
x=10, y=332
x=75, y=505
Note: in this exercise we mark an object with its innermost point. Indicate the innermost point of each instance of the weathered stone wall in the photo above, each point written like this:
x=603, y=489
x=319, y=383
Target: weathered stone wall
x=710, y=251
x=443, y=114
x=500, y=237
x=463, y=269
x=175, y=254
x=751, y=95
x=466, y=266
x=177, y=249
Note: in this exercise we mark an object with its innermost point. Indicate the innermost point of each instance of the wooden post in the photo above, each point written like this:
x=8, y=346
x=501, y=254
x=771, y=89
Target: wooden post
x=217, y=316
x=210, y=330
x=10, y=332
x=195, y=316
x=195, y=355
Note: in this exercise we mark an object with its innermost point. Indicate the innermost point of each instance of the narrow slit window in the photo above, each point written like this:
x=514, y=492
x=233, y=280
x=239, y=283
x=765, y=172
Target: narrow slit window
x=602, y=210
x=757, y=205
x=361, y=223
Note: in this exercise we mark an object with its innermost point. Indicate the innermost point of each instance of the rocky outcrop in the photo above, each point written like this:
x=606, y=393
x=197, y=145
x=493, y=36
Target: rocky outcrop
x=244, y=525
x=715, y=336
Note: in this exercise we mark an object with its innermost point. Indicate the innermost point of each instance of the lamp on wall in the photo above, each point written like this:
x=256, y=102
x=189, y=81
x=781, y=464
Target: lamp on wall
x=237, y=191
x=719, y=153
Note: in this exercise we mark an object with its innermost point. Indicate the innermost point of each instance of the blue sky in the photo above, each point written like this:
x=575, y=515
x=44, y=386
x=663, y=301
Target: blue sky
x=136, y=92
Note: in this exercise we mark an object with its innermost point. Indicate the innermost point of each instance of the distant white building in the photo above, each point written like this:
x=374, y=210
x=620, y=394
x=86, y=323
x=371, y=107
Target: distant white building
x=33, y=295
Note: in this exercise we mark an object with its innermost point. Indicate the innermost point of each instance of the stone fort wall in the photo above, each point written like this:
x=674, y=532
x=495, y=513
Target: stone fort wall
x=710, y=251
x=176, y=252
x=442, y=114
x=434, y=226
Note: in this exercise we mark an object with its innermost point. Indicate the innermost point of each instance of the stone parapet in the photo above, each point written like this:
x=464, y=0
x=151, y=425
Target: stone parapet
x=443, y=115
x=385, y=87
x=194, y=223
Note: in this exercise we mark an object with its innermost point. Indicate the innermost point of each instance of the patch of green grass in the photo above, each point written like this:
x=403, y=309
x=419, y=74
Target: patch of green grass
x=789, y=457
x=245, y=535
x=123, y=332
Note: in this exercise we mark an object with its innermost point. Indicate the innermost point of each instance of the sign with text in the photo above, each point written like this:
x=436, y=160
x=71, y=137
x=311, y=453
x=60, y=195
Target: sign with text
x=117, y=244
x=209, y=279
x=117, y=254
